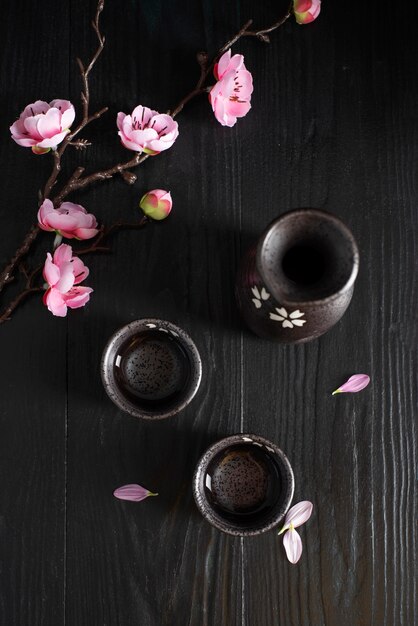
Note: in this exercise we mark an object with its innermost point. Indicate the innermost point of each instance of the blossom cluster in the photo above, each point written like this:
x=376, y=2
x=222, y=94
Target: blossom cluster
x=44, y=126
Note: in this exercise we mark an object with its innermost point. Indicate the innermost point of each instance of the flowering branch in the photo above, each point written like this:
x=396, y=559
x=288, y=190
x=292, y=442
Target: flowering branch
x=199, y=89
x=238, y=99
x=23, y=249
x=85, y=100
x=30, y=288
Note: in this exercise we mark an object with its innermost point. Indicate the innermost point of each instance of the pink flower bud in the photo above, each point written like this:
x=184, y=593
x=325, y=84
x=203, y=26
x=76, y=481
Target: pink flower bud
x=156, y=204
x=306, y=10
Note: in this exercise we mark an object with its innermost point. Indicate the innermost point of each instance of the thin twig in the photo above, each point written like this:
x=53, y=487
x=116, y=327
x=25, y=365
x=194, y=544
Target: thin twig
x=199, y=89
x=77, y=180
x=262, y=33
x=85, y=98
x=6, y=274
x=23, y=249
x=80, y=144
x=79, y=183
x=6, y=314
x=106, y=232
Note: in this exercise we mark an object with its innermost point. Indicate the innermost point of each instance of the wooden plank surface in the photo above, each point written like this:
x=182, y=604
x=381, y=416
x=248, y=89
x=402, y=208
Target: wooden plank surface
x=33, y=365
x=333, y=125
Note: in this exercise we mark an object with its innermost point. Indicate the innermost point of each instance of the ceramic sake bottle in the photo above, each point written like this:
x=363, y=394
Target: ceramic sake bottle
x=297, y=281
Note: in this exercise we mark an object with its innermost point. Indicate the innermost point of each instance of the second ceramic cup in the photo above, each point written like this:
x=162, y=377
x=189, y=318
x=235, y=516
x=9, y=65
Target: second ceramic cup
x=243, y=485
x=151, y=369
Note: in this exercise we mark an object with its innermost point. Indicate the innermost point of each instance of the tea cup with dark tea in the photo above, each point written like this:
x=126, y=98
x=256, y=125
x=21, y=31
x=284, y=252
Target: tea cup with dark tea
x=151, y=369
x=243, y=485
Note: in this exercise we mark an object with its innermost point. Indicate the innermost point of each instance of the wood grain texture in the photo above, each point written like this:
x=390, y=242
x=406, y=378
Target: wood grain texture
x=333, y=125
x=33, y=365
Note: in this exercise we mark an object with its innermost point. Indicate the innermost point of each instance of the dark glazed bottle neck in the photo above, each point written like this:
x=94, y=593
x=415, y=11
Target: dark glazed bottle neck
x=307, y=256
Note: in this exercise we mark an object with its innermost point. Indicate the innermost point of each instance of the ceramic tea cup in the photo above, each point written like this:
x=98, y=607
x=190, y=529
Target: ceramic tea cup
x=243, y=485
x=151, y=369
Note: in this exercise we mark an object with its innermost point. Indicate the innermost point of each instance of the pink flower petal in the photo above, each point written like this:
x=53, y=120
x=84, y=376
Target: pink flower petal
x=67, y=112
x=120, y=119
x=61, y=221
x=63, y=254
x=79, y=269
x=302, y=5
x=84, y=233
x=299, y=513
x=143, y=114
x=159, y=145
x=49, y=125
x=162, y=123
x=44, y=210
x=71, y=207
x=52, y=142
x=31, y=127
x=226, y=64
x=18, y=128
x=134, y=493
x=293, y=545
x=51, y=272
x=55, y=303
x=237, y=109
x=355, y=383
x=127, y=143
x=77, y=297
x=25, y=143
x=66, y=280
x=35, y=109
x=142, y=137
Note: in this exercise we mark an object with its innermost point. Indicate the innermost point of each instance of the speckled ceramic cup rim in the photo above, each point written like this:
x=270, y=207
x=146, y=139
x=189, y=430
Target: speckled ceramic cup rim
x=206, y=508
x=107, y=366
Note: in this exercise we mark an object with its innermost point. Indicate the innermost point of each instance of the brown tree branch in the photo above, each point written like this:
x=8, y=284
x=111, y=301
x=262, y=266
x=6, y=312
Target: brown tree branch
x=77, y=180
x=29, y=288
x=262, y=34
x=85, y=99
x=7, y=312
x=199, y=89
x=6, y=274
x=106, y=232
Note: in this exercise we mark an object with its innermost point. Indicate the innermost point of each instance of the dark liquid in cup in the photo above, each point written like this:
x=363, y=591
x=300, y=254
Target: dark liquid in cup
x=304, y=264
x=243, y=483
x=152, y=369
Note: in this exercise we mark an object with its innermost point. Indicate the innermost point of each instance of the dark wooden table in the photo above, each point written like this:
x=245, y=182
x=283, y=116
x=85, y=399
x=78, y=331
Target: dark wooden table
x=334, y=124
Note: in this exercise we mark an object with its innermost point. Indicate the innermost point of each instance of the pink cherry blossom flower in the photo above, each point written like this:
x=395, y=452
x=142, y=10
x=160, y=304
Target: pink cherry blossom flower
x=156, y=204
x=306, y=10
x=296, y=516
x=146, y=130
x=230, y=97
x=42, y=126
x=134, y=493
x=355, y=383
x=64, y=272
x=68, y=220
